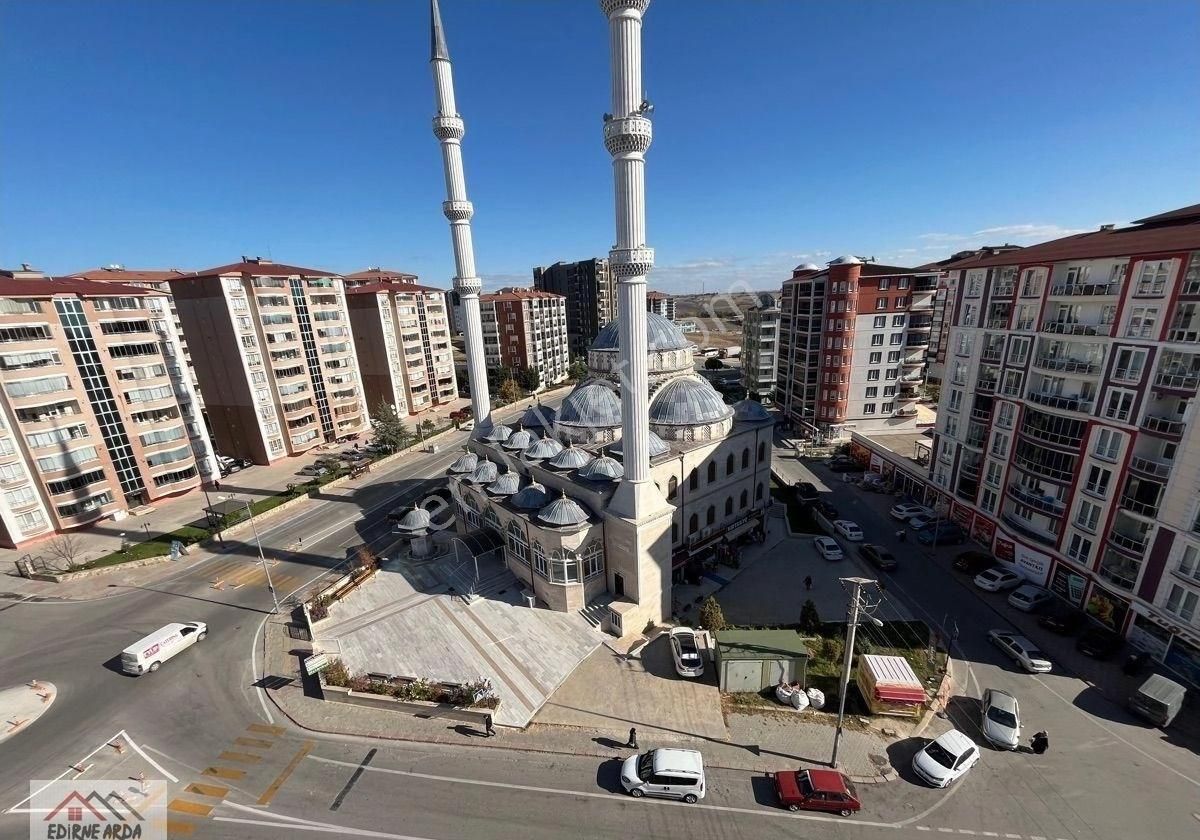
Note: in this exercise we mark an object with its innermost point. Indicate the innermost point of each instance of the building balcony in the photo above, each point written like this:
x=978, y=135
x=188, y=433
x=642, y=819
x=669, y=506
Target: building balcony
x=1133, y=545
x=1119, y=571
x=991, y=354
x=1190, y=288
x=1189, y=333
x=1141, y=507
x=987, y=386
x=1003, y=289
x=920, y=339
x=1151, y=467
x=1066, y=365
x=1046, y=504
x=1066, y=403
x=1162, y=426
x=1085, y=289
x=914, y=360
x=981, y=414
x=1028, y=529
x=1040, y=435
x=1042, y=469
x=998, y=323
x=1075, y=328
x=1183, y=382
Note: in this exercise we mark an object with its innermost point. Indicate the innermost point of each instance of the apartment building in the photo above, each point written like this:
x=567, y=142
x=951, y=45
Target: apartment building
x=525, y=328
x=402, y=337
x=1067, y=434
x=591, y=297
x=660, y=304
x=375, y=275
x=97, y=415
x=279, y=371
x=760, y=346
x=852, y=348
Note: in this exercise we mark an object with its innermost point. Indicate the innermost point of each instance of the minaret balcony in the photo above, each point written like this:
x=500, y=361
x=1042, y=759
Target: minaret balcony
x=628, y=134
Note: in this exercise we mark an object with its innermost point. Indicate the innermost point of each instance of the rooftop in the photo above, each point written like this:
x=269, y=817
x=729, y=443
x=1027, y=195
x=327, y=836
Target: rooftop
x=382, y=275
x=258, y=267
x=519, y=294
x=119, y=274
x=384, y=287
x=761, y=644
x=44, y=287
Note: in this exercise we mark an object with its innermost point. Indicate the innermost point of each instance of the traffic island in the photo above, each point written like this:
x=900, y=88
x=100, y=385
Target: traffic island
x=22, y=705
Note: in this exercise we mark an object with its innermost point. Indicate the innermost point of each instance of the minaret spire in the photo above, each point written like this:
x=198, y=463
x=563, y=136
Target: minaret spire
x=627, y=136
x=449, y=129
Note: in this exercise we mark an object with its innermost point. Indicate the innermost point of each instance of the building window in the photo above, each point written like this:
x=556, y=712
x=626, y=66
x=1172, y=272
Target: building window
x=1080, y=549
x=1182, y=602
x=1129, y=364
x=889, y=390
x=1108, y=443
x=884, y=282
x=877, y=340
x=871, y=392
x=712, y=472
x=880, y=321
x=711, y=516
x=746, y=457
x=729, y=464
x=593, y=557
x=672, y=487
x=762, y=452
x=693, y=480
x=869, y=408
x=886, y=408
x=1088, y=515
x=898, y=320
x=1142, y=321
x=891, y=374
x=744, y=500
x=539, y=561
x=896, y=339
x=1097, y=481
x=693, y=524
x=994, y=473
x=1119, y=405
x=872, y=376
x=881, y=303
x=729, y=506
x=1153, y=278
x=758, y=493
x=987, y=501
x=876, y=358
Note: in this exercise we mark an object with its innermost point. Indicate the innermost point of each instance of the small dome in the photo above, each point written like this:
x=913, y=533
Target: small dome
x=807, y=267
x=485, y=473
x=657, y=446
x=766, y=300
x=507, y=483
x=466, y=463
x=417, y=519
x=846, y=259
x=530, y=497
x=547, y=447
x=499, y=433
x=538, y=417
x=661, y=334
x=593, y=405
x=750, y=411
x=563, y=512
x=571, y=458
x=687, y=401
x=520, y=439
x=603, y=468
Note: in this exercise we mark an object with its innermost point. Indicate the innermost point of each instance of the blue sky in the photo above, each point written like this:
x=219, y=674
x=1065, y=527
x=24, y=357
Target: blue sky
x=185, y=134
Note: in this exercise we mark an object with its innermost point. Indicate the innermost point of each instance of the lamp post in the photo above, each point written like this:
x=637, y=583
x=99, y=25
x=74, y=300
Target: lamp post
x=258, y=542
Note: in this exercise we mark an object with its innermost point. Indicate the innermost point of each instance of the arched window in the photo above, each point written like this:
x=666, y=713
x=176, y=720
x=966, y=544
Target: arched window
x=746, y=457
x=593, y=559
x=516, y=543
x=539, y=561
x=492, y=520
x=758, y=493
x=729, y=506
x=744, y=501
x=712, y=471
x=472, y=510
x=693, y=524
x=674, y=532
x=564, y=566
x=712, y=515
x=729, y=464
x=672, y=488
x=762, y=452
x=693, y=480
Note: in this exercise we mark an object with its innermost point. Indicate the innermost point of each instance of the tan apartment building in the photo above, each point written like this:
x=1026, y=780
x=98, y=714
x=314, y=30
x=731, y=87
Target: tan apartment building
x=525, y=328
x=279, y=371
x=96, y=417
x=377, y=275
x=402, y=337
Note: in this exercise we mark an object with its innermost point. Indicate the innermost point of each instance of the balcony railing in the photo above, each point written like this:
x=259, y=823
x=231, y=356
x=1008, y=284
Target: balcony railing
x=987, y=386
x=975, y=441
x=983, y=414
x=1162, y=426
x=1071, y=441
x=1133, y=544
x=1028, y=529
x=918, y=359
x=1003, y=289
x=1178, y=381
x=1046, y=504
x=990, y=355
x=1138, y=506
x=1025, y=324
x=1064, y=364
x=1190, y=336
x=1075, y=328
x=1191, y=287
x=969, y=471
x=1151, y=467
x=998, y=323
x=1075, y=403
x=1088, y=289
x=1119, y=573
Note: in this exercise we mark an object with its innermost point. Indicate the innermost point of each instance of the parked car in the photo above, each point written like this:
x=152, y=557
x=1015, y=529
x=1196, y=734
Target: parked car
x=688, y=660
x=229, y=465
x=843, y=463
x=997, y=579
x=816, y=790
x=1062, y=619
x=1020, y=650
x=1000, y=719
x=669, y=773
x=906, y=510
x=973, y=562
x=1158, y=700
x=848, y=529
x=315, y=470
x=806, y=491
x=878, y=556
x=945, y=759
x=827, y=510
x=1029, y=598
x=1099, y=643
x=922, y=521
x=828, y=548
x=873, y=483
x=944, y=533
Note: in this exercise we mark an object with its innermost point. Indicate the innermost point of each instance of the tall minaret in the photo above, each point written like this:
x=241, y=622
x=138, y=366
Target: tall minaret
x=627, y=135
x=449, y=129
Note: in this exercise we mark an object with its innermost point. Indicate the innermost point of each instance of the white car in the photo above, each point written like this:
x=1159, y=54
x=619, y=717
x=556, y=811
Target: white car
x=996, y=579
x=848, y=529
x=945, y=759
x=905, y=511
x=1000, y=719
x=669, y=773
x=828, y=548
x=1020, y=650
x=1028, y=597
x=688, y=660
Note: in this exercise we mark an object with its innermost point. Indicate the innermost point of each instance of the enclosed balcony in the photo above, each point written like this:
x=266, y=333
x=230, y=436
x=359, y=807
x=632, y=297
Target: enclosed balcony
x=1142, y=496
x=1129, y=536
x=1119, y=570
x=1178, y=372
x=976, y=435
x=1049, y=464
x=1052, y=429
x=982, y=410
x=1185, y=323
x=1075, y=327
x=1035, y=526
x=1085, y=289
x=1048, y=498
x=998, y=316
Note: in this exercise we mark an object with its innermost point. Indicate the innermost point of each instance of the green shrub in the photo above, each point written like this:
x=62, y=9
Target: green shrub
x=810, y=619
x=712, y=618
x=335, y=673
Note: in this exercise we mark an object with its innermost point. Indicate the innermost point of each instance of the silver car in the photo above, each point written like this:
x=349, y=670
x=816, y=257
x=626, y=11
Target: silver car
x=688, y=660
x=1000, y=719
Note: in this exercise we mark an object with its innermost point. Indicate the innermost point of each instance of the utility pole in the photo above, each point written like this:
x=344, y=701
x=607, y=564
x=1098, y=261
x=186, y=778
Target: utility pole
x=856, y=584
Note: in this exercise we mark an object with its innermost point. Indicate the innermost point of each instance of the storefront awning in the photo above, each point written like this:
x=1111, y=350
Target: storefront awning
x=737, y=531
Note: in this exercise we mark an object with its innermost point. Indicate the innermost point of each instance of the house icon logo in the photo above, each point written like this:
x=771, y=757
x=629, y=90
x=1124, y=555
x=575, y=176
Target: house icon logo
x=97, y=806
x=104, y=809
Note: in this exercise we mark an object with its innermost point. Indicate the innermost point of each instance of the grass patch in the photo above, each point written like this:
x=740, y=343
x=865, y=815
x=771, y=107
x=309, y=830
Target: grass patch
x=159, y=546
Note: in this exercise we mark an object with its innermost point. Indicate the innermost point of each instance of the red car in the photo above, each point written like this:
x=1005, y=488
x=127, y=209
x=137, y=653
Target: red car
x=816, y=790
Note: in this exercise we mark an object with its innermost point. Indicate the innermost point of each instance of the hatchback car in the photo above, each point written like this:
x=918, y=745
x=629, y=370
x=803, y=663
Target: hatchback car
x=997, y=579
x=314, y=470
x=905, y=511
x=1099, y=643
x=1000, y=719
x=816, y=790
x=806, y=491
x=848, y=529
x=1028, y=598
x=686, y=653
x=945, y=759
x=827, y=510
x=878, y=556
x=944, y=533
x=1020, y=650
x=669, y=773
x=828, y=548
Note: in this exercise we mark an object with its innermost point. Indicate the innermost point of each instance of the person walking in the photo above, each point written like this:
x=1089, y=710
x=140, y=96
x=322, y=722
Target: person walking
x=808, y=583
x=902, y=535
x=1040, y=743
x=632, y=743
x=488, y=729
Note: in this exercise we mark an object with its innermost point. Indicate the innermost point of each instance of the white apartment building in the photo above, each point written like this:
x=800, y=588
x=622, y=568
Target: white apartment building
x=525, y=328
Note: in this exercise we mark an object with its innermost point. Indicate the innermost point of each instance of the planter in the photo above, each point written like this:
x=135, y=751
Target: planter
x=102, y=570
x=417, y=708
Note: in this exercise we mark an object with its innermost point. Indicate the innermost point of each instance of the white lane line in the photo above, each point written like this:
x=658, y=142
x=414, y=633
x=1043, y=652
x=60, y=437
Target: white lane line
x=597, y=795
x=1113, y=733
x=295, y=824
x=922, y=828
x=152, y=762
x=965, y=831
x=989, y=834
x=946, y=830
x=103, y=744
x=1013, y=836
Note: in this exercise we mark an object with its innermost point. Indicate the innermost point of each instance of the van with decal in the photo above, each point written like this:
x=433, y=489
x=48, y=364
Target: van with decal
x=151, y=652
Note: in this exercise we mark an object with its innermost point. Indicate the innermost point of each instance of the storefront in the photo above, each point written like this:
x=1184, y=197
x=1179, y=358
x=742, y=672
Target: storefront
x=1179, y=652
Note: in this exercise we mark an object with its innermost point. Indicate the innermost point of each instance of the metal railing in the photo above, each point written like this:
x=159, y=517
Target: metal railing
x=1075, y=403
x=1162, y=425
x=987, y=386
x=1088, y=289
x=989, y=355
x=1039, y=468
x=1075, y=328
x=1003, y=289
x=1137, y=506
x=1177, y=381
x=981, y=414
x=1151, y=466
x=1122, y=576
x=1137, y=545
x=1046, y=504
x=1064, y=364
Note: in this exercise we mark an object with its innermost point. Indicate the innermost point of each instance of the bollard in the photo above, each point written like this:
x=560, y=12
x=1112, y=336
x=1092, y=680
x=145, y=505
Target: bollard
x=118, y=746
x=45, y=697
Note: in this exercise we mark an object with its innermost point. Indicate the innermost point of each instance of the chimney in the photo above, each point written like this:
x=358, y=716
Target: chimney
x=1104, y=228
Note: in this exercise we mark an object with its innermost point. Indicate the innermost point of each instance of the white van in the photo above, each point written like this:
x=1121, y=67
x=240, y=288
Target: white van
x=152, y=651
x=670, y=773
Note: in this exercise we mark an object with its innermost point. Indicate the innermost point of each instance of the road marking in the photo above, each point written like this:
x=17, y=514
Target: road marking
x=16, y=809
x=151, y=761
x=270, y=792
x=260, y=743
x=922, y=828
x=224, y=773
x=175, y=828
x=266, y=730
x=989, y=834
x=244, y=758
x=337, y=803
x=946, y=830
x=296, y=824
x=197, y=809
x=216, y=791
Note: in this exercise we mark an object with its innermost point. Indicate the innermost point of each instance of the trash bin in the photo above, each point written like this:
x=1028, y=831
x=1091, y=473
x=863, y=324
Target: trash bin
x=530, y=598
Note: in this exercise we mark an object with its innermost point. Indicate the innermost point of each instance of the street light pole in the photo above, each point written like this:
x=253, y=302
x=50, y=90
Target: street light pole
x=856, y=584
x=261, y=556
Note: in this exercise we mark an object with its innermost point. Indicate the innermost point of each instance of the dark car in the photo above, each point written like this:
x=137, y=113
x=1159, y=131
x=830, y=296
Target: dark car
x=1099, y=643
x=944, y=533
x=806, y=491
x=827, y=510
x=1062, y=620
x=878, y=556
x=841, y=465
x=817, y=790
x=973, y=562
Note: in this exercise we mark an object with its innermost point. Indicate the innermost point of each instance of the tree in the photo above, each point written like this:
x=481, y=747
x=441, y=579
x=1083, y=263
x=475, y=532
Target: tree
x=933, y=392
x=65, y=547
x=810, y=619
x=404, y=435
x=388, y=427
x=712, y=618
x=578, y=370
x=529, y=378
x=713, y=363
x=427, y=427
x=509, y=391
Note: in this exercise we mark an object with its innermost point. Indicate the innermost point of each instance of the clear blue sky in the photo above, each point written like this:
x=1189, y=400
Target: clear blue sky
x=184, y=134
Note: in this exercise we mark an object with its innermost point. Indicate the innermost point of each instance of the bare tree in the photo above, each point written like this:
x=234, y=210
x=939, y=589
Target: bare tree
x=65, y=548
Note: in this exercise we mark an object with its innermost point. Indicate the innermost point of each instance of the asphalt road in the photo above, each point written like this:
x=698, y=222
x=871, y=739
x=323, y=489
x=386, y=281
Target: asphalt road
x=1105, y=777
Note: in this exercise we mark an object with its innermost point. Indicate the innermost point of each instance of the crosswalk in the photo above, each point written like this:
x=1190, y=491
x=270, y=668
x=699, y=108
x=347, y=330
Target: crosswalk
x=236, y=573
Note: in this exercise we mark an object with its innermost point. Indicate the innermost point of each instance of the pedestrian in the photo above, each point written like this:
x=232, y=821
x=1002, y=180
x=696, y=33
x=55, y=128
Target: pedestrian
x=488, y=729
x=902, y=535
x=632, y=743
x=1040, y=743
x=808, y=583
